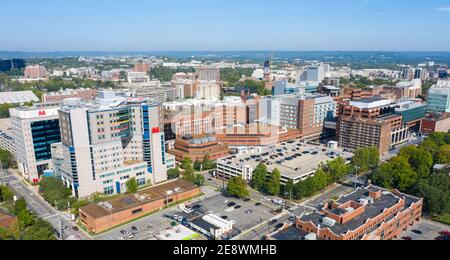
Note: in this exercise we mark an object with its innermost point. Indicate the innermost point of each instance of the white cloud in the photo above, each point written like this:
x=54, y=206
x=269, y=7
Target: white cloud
x=444, y=9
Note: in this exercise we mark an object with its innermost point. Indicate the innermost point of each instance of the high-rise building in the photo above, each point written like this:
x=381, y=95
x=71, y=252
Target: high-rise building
x=142, y=67
x=137, y=77
x=35, y=72
x=107, y=142
x=439, y=97
x=307, y=113
x=34, y=130
x=7, y=65
x=208, y=74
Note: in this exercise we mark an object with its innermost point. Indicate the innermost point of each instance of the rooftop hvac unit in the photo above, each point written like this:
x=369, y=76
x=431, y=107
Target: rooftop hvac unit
x=363, y=201
x=311, y=237
x=329, y=222
x=106, y=205
x=349, y=209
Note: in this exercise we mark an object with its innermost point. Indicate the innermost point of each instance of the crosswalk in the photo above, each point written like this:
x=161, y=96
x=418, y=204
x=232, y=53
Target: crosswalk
x=47, y=217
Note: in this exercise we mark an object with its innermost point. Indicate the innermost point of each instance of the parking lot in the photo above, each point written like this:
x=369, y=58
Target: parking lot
x=429, y=229
x=245, y=214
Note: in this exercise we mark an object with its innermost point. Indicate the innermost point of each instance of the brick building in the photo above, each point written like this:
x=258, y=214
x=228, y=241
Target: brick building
x=104, y=216
x=196, y=147
x=370, y=213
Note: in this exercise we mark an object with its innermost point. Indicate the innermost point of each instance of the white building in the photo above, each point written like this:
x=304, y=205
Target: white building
x=34, y=130
x=108, y=142
x=137, y=77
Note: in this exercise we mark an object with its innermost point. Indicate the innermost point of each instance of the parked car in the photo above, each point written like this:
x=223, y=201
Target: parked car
x=279, y=226
x=231, y=204
x=273, y=221
x=248, y=212
x=418, y=232
x=258, y=204
x=247, y=200
x=237, y=207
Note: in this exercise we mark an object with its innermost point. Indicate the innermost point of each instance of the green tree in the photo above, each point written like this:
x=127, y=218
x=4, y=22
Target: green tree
x=40, y=230
x=435, y=201
x=6, y=194
x=132, y=186
x=397, y=173
x=186, y=164
x=259, y=177
x=20, y=205
x=173, y=173
x=198, y=165
x=337, y=169
x=366, y=158
x=54, y=190
x=207, y=163
x=273, y=184
x=6, y=159
x=199, y=180
x=4, y=110
x=289, y=189
x=443, y=155
x=320, y=180
x=237, y=187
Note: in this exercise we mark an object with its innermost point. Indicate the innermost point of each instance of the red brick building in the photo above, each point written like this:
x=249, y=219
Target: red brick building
x=196, y=147
x=371, y=213
x=104, y=216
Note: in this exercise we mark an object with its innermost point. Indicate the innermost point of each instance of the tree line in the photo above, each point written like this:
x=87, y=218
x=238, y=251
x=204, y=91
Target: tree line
x=412, y=172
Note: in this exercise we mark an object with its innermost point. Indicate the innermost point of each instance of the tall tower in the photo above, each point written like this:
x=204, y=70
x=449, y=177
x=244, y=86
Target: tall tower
x=267, y=70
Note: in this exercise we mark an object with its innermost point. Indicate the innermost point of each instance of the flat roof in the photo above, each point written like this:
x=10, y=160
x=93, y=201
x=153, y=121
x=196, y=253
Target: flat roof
x=291, y=233
x=124, y=202
x=281, y=157
x=17, y=97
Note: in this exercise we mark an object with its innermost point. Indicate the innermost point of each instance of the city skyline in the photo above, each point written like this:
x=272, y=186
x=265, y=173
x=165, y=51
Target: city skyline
x=359, y=25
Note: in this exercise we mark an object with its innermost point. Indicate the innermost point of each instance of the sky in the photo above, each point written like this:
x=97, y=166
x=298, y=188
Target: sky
x=224, y=25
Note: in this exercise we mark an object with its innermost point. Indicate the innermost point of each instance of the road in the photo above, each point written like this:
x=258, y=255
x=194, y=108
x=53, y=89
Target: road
x=40, y=207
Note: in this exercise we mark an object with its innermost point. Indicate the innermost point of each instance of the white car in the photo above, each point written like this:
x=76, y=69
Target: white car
x=225, y=202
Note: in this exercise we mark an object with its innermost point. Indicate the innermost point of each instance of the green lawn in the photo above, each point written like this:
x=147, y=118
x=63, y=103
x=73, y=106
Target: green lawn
x=445, y=219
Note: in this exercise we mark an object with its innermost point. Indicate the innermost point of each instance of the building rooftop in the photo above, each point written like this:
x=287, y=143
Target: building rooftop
x=373, y=209
x=295, y=159
x=17, y=97
x=124, y=202
x=290, y=234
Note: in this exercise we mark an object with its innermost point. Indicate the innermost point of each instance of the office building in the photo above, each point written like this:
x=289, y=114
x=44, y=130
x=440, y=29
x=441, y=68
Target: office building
x=407, y=89
x=370, y=213
x=7, y=143
x=196, y=147
x=412, y=112
x=436, y=123
x=34, y=130
x=307, y=113
x=439, y=97
x=208, y=74
x=142, y=67
x=137, y=77
x=7, y=65
x=109, y=141
x=255, y=135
